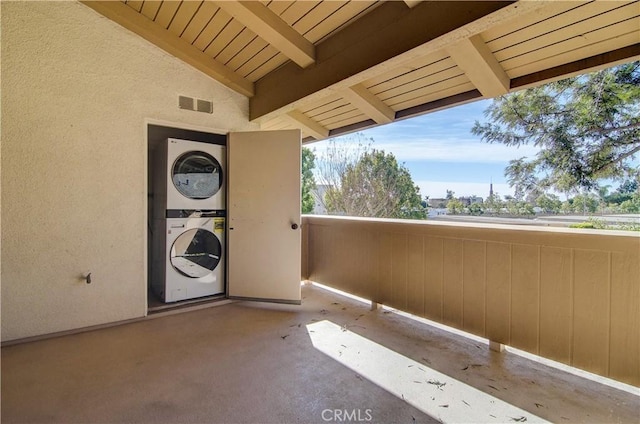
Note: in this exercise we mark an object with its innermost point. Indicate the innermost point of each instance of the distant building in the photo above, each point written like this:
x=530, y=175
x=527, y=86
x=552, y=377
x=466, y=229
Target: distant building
x=469, y=200
x=437, y=203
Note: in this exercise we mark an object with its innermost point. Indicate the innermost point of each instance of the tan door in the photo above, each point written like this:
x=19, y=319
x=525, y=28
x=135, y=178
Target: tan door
x=263, y=208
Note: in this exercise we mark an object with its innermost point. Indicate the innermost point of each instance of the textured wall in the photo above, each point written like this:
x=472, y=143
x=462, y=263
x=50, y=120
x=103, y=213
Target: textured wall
x=76, y=89
x=569, y=295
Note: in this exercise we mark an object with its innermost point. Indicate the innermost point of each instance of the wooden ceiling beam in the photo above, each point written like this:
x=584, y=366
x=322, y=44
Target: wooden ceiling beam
x=412, y=3
x=152, y=32
x=476, y=60
x=369, y=104
x=272, y=29
x=307, y=124
x=388, y=35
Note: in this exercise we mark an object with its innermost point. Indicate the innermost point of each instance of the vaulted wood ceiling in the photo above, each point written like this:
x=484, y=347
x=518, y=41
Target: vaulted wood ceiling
x=332, y=67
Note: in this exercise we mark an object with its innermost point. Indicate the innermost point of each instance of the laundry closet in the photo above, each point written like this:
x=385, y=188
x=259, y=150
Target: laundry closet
x=200, y=249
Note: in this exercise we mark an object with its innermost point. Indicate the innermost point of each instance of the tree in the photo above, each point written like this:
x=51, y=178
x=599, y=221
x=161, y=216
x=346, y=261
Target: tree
x=493, y=204
x=308, y=180
x=376, y=186
x=455, y=206
x=550, y=203
x=588, y=129
x=476, y=209
x=583, y=203
x=624, y=192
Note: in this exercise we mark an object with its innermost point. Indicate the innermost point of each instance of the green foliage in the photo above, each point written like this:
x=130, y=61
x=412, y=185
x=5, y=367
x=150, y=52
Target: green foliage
x=376, y=186
x=584, y=203
x=591, y=223
x=627, y=190
x=455, y=207
x=599, y=224
x=631, y=205
x=588, y=129
x=308, y=180
x=493, y=204
x=475, y=209
x=550, y=203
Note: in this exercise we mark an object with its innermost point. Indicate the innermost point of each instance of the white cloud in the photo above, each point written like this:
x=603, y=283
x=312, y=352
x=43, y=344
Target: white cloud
x=406, y=148
x=455, y=150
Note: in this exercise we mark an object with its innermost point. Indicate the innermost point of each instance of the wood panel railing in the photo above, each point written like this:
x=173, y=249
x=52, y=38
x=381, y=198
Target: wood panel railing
x=572, y=296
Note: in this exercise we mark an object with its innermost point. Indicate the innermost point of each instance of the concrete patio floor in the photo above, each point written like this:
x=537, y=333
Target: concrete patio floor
x=329, y=360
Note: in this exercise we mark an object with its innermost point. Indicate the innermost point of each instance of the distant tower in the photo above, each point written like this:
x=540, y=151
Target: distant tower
x=491, y=188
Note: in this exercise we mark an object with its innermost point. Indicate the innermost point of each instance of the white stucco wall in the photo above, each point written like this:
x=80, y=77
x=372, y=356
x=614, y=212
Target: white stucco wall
x=76, y=90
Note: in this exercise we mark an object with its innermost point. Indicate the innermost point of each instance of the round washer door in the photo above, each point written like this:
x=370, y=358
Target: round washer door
x=195, y=253
x=197, y=175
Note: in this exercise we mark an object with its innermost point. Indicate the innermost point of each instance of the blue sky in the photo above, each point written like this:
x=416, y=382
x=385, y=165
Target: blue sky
x=442, y=154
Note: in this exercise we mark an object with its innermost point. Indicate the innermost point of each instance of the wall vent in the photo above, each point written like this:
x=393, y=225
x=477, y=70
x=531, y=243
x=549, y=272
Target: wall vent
x=185, y=103
x=198, y=105
x=204, y=106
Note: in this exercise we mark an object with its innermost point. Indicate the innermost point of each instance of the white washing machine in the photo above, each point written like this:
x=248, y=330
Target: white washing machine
x=189, y=176
x=189, y=260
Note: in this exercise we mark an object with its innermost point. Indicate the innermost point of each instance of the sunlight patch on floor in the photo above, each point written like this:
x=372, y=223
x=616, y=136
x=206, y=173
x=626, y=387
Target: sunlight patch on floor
x=436, y=394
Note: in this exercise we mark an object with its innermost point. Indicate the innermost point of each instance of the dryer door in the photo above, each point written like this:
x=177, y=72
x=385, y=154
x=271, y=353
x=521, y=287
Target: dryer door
x=197, y=175
x=195, y=254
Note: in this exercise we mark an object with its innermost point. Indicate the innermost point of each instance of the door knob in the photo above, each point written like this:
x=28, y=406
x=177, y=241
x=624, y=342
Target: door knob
x=294, y=226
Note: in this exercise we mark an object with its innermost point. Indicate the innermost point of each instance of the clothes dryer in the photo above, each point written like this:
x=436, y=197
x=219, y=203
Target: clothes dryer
x=189, y=175
x=190, y=263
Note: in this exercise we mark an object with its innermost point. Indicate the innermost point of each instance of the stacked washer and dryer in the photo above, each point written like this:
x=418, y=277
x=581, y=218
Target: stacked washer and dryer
x=189, y=220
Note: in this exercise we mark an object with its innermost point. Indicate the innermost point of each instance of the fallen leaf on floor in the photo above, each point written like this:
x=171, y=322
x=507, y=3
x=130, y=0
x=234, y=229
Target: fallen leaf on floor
x=421, y=369
x=494, y=388
x=386, y=312
x=443, y=406
x=324, y=312
x=294, y=325
x=335, y=303
x=493, y=416
x=343, y=345
x=437, y=383
x=359, y=317
x=426, y=360
x=466, y=403
x=519, y=419
x=538, y=405
x=284, y=337
x=416, y=381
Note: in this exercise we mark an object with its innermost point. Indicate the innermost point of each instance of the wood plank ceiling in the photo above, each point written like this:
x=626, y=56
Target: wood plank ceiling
x=333, y=67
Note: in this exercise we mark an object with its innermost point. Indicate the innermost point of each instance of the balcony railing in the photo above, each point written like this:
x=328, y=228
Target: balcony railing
x=572, y=296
